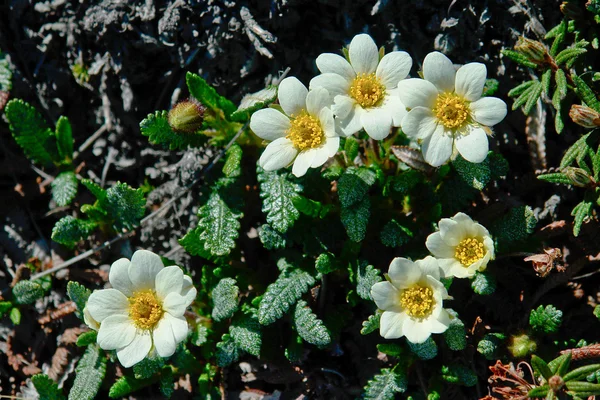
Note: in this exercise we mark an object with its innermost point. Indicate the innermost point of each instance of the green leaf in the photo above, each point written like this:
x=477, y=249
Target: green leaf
x=126, y=385
x=518, y=58
x=225, y=299
x=227, y=351
x=545, y=319
x=569, y=55
x=546, y=81
x=385, y=385
x=326, y=263
x=125, y=205
x=5, y=306
x=355, y=219
x=27, y=292
x=166, y=383
x=309, y=327
x=5, y=75
x=313, y=209
x=156, y=127
x=87, y=338
x=282, y=294
x=426, y=350
x=581, y=212
x=555, y=177
x=64, y=139
x=78, y=294
x=270, y=238
x=278, y=195
x=540, y=367
x=232, y=167
x=561, y=84
x=30, y=131
x=366, y=277
x=459, y=374
x=455, y=335
x=516, y=91
x=516, y=225
x=148, y=367
x=64, y=188
x=533, y=97
x=253, y=102
x=351, y=148
x=581, y=372
x=46, y=388
x=489, y=345
x=95, y=189
x=391, y=349
x=294, y=349
x=371, y=324
x=560, y=365
x=15, y=316
x=354, y=184
x=218, y=226
x=584, y=92
x=579, y=150
x=483, y=283
x=207, y=95
x=394, y=235
x=89, y=374
x=245, y=331
x=69, y=230
x=490, y=87
x=475, y=175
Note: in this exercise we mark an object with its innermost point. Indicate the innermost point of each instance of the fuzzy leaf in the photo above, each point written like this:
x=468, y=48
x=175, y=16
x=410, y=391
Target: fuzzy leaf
x=126, y=206
x=147, y=367
x=309, y=327
x=64, y=139
x=366, y=277
x=545, y=319
x=569, y=55
x=270, y=238
x=69, y=230
x=227, y=351
x=245, y=331
x=483, y=283
x=355, y=219
x=207, y=95
x=371, y=324
x=516, y=91
x=326, y=263
x=585, y=93
x=46, y=388
x=5, y=75
x=87, y=338
x=126, y=385
x=30, y=131
x=476, y=175
x=282, y=294
x=459, y=374
x=546, y=81
x=354, y=184
x=455, y=335
x=516, y=225
x=351, y=148
x=395, y=235
x=533, y=97
x=556, y=177
x=89, y=374
x=232, y=167
x=581, y=212
x=278, y=195
x=310, y=207
x=385, y=385
x=490, y=87
x=225, y=299
x=156, y=127
x=578, y=150
x=489, y=345
x=253, y=102
x=27, y=292
x=561, y=84
x=218, y=226
x=78, y=294
x=64, y=188
x=519, y=58
x=426, y=350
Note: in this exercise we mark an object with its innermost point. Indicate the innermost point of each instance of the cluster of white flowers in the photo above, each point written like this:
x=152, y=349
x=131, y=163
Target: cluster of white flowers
x=412, y=296
x=368, y=90
x=144, y=311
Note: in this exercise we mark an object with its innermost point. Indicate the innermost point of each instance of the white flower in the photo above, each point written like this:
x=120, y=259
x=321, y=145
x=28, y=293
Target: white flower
x=462, y=246
x=144, y=309
x=305, y=131
x=411, y=300
x=448, y=112
x=364, y=89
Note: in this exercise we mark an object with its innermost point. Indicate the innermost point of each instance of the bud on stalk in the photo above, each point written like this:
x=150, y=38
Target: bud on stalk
x=578, y=176
x=584, y=116
x=534, y=50
x=187, y=116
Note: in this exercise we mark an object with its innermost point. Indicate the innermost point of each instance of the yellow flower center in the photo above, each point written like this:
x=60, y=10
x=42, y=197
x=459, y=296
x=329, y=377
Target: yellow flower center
x=145, y=309
x=469, y=251
x=305, y=132
x=417, y=301
x=451, y=110
x=367, y=90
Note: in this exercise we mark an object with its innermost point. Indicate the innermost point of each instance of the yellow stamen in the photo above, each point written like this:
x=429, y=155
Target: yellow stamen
x=469, y=251
x=305, y=132
x=367, y=90
x=417, y=301
x=145, y=309
x=451, y=110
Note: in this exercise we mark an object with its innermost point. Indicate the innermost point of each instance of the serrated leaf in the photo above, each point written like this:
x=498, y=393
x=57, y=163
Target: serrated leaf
x=581, y=212
x=309, y=326
x=561, y=84
x=69, y=230
x=232, y=167
x=5, y=75
x=90, y=372
x=455, y=335
x=533, y=97
x=78, y=294
x=355, y=219
x=227, y=351
x=148, y=367
x=30, y=131
x=578, y=150
x=545, y=319
x=27, y=292
x=489, y=345
x=516, y=225
x=282, y=294
x=371, y=324
x=126, y=385
x=426, y=350
x=546, y=81
x=192, y=244
x=166, y=383
x=519, y=58
x=459, y=374
x=325, y=263
x=278, y=195
x=270, y=238
x=483, y=283
x=47, y=389
x=366, y=277
x=245, y=330
x=64, y=139
x=218, y=226
x=354, y=184
x=126, y=206
x=253, y=102
x=385, y=385
x=310, y=207
x=475, y=175
x=87, y=338
x=516, y=91
x=225, y=299
x=585, y=93
x=569, y=55
x=207, y=95
x=351, y=147
x=156, y=127
x=395, y=235
x=64, y=188
x=556, y=177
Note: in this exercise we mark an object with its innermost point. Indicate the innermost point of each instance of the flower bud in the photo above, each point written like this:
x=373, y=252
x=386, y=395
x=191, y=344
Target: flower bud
x=556, y=383
x=584, y=116
x=577, y=176
x=533, y=49
x=521, y=346
x=187, y=116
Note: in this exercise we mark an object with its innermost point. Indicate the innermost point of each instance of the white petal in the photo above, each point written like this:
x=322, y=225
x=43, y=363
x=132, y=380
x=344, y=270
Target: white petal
x=438, y=247
x=453, y=231
x=473, y=147
x=175, y=304
x=342, y=106
x=115, y=332
x=327, y=122
x=488, y=110
x=452, y=267
x=336, y=64
x=416, y=92
x=332, y=145
x=292, y=95
x=89, y=321
x=188, y=290
x=377, y=122
x=321, y=156
x=419, y=123
x=317, y=99
x=391, y=323
x=429, y=266
x=416, y=331
x=106, y=302
x=439, y=70
x=145, y=265
x=364, y=54
x=119, y=276
x=334, y=83
x=470, y=79
x=394, y=107
x=269, y=124
x=279, y=154
x=179, y=326
x=488, y=244
x=441, y=323
x=352, y=123
x=403, y=272
x=386, y=296
x=137, y=350
x=437, y=148
x=163, y=339
x=303, y=162
x=168, y=280
x=393, y=67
